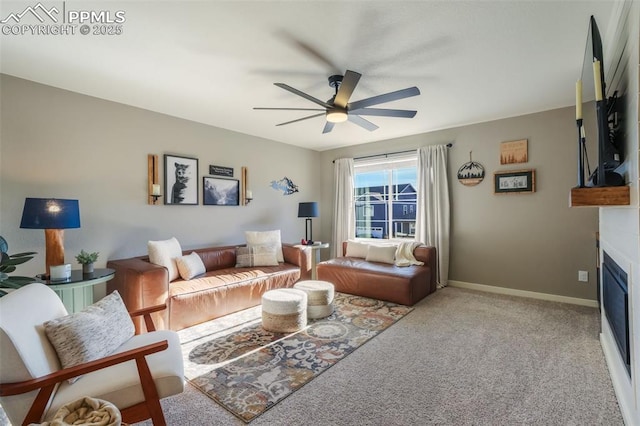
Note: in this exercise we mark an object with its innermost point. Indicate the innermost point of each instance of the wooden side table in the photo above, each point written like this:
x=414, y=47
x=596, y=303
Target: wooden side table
x=76, y=292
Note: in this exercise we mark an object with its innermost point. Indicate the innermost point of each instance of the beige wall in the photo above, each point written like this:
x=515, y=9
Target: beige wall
x=531, y=242
x=61, y=144
x=56, y=143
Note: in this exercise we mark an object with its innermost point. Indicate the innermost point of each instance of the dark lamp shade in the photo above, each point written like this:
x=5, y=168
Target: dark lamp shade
x=308, y=209
x=50, y=213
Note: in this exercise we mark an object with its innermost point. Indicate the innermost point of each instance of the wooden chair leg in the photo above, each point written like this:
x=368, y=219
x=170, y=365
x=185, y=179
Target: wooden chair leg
x=150, y=393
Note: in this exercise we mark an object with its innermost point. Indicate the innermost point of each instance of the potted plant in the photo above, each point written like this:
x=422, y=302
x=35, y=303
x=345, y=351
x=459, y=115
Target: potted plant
x=8, y=263
x=87, y=260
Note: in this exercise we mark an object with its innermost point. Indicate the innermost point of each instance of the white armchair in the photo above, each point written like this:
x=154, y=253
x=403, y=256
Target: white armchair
x=33, y=386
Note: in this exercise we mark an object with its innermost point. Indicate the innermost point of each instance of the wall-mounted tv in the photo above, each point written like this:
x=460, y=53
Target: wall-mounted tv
x=608, y=115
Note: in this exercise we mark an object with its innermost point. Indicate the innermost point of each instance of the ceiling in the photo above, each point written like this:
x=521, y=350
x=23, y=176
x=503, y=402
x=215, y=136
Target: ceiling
x=212, y=62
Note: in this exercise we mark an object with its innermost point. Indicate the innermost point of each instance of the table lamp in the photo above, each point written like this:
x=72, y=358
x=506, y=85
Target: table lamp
x=54, y=216
x=308, y=210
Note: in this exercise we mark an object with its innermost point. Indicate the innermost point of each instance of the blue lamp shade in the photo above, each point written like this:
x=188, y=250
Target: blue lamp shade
x=50, y=213
x=308, y=209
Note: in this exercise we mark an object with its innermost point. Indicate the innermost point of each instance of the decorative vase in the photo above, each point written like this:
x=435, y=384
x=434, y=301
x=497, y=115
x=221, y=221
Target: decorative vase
x=87, y=268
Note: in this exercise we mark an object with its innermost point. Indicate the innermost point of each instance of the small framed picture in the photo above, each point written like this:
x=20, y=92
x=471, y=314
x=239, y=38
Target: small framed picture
x=180, y=180
x=514, y=152
x=220, y=192
x=515, y=181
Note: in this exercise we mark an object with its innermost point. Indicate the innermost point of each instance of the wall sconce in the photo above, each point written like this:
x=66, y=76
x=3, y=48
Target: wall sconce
x=246, y=194
x=152, y=172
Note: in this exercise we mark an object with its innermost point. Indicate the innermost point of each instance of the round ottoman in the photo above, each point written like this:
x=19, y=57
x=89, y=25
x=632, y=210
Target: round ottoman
x=284, y=310
x=319, y=297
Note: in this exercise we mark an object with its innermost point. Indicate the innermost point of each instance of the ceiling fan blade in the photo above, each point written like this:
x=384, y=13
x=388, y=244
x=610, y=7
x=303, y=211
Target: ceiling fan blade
x=302, y=94
x=387, y=97
x=328, y=127
x=402, y=113
x=289, y=109
x=348, y=85
x=366, y=124
x=300, y=119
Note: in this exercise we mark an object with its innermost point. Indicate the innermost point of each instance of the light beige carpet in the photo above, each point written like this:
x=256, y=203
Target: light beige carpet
x=460, y=358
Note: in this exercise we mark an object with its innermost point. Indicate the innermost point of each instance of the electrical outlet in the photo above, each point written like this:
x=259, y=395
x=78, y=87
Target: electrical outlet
x=583, y=276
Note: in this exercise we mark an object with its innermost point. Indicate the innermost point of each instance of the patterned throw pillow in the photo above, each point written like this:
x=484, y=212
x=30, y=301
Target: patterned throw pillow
x=260, y=238
x=261, y=255
x=93, y=333
x=190, y=266
x=164, y=253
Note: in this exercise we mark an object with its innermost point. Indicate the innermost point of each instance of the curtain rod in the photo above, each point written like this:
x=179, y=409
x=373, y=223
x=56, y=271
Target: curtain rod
x=449, y=145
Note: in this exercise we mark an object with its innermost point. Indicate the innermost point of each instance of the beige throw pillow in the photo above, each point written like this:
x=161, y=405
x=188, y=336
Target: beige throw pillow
x=256, y=256
x=164, y=253
x=262, y=238
x=384, y=254
x=357, y=249
x=93, y=333
x=190, y=266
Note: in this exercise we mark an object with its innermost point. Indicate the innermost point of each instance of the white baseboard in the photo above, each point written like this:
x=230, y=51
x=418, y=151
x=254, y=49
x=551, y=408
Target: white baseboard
x=524, y=293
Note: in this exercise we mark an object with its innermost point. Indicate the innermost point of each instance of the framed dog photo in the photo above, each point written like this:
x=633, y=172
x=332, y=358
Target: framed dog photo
x=180, y=180
x=515, y=181
x=220, y=192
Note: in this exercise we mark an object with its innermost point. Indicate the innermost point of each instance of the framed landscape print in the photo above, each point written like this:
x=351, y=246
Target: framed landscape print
x=180, y=180
x=515, y=181
x=220, y=192
x=514, y=152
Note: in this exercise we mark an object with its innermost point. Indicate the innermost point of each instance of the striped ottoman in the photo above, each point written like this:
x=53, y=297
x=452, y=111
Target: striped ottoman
x=319, y=297
x=284, y=310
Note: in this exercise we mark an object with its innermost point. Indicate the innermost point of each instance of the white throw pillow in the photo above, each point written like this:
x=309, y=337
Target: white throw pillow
x=256, y=256
x=190, y=266
x=262, y=238
x=93, y=333
x=357, y=249
x=164, y=253
x=385, y=254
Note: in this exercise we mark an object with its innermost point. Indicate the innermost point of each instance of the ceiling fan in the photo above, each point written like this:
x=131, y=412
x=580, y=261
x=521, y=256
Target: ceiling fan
x=339, y=109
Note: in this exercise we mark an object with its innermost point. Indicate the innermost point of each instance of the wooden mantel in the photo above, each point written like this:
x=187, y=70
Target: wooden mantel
x=600, y=196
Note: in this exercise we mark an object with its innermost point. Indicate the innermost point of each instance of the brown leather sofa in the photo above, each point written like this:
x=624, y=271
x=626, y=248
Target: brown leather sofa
x=222, y=290
x=405, y=285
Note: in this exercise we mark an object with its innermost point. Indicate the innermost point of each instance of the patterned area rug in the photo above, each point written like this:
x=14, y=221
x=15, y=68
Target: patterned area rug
x=248, y=370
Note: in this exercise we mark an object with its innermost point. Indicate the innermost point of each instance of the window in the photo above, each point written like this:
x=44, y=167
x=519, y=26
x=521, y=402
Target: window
x=385, y=197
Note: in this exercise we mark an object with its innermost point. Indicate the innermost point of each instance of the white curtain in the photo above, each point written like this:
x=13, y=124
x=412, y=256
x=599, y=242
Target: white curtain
x=343, y=214
x=432, y=221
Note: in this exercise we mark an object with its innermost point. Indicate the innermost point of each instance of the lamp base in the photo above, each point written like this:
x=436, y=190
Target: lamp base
x=54, y=248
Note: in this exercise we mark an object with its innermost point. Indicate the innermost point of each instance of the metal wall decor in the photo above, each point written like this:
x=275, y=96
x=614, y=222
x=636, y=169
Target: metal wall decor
x=471, y=173
x=285, y=185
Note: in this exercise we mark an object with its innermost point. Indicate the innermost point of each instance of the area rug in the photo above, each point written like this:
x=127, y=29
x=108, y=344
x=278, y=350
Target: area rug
x=248, y=370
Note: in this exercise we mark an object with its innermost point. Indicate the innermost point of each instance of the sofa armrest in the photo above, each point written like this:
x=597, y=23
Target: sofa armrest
x=298, y=256
x=141, y=284
x=427, y=254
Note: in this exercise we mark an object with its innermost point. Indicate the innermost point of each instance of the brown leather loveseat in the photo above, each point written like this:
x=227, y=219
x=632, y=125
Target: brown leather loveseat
x=405, y=285
x=222, y=290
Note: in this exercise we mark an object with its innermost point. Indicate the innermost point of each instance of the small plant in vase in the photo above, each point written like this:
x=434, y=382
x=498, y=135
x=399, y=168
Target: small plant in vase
x=87, y=260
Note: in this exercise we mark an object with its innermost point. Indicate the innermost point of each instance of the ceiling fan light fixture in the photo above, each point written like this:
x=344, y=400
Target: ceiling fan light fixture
x=336, y=116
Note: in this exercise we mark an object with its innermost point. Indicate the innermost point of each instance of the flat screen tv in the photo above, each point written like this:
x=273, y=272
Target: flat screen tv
x=608, y=113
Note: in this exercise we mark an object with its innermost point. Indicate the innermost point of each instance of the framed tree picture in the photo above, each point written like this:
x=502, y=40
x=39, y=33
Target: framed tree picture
x=515, y=181
x=180, y=180
x=220, y=192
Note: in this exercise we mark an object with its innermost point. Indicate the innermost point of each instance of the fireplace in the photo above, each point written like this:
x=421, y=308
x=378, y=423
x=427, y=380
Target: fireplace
x=616, y=305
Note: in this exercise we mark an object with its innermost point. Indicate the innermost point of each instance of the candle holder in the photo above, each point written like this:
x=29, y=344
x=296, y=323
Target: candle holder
x=155, y=197
x=582, y=154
